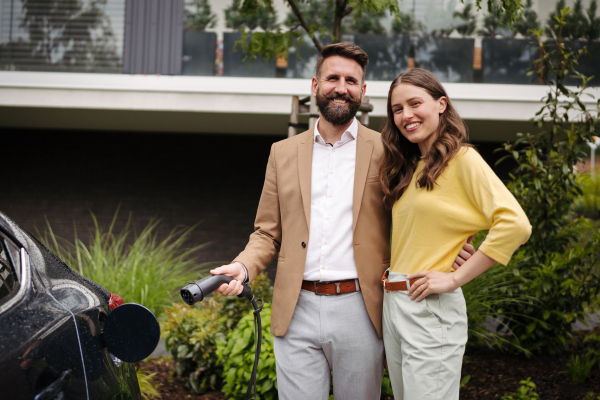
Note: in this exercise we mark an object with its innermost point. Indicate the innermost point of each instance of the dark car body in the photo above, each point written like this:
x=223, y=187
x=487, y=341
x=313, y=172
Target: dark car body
x=51, y=328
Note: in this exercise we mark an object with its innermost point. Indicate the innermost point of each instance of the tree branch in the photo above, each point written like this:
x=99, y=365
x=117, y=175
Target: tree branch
x=304, y=24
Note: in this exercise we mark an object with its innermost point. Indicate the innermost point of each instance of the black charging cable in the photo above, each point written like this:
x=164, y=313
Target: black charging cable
x=257, y=342
x=195, y=292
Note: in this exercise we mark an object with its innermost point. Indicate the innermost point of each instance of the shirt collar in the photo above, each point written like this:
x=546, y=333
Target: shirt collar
x=350, y=134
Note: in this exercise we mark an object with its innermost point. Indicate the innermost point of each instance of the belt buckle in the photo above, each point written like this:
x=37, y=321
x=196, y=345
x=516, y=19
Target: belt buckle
x=337, y=288
x=385, y=287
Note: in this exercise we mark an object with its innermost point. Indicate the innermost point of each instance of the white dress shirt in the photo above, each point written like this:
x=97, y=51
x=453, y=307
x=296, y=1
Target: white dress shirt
x=330, y=254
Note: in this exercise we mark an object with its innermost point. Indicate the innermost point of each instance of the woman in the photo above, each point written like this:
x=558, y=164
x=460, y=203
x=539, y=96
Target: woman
x=441, y=191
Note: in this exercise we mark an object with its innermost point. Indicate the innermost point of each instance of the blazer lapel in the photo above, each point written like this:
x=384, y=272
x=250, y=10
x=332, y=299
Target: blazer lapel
x=305, y=151
x=364, y=148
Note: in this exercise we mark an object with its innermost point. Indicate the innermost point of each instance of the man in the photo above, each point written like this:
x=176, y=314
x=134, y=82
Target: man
x=321, y=208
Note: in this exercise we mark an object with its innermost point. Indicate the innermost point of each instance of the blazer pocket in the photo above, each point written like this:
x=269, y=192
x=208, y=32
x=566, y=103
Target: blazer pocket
x=373, y=179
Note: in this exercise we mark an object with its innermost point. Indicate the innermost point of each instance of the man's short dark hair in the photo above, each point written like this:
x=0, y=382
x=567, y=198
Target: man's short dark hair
x=346, y=50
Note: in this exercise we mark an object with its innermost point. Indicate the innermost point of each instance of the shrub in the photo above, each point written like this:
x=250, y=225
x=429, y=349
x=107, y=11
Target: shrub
x=525, y=392
x=147, y=388
x=148, y=271
x=589, y=202
x=487, y=297
x=564, y=277
x=578, y=369
x=192, y=334
x=238, y=353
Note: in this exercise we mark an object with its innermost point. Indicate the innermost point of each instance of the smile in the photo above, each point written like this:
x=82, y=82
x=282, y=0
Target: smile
x=340, y=101
x=412, y=126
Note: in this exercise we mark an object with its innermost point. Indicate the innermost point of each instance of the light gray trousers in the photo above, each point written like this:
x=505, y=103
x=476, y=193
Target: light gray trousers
x=424, y=343
x=329, y=336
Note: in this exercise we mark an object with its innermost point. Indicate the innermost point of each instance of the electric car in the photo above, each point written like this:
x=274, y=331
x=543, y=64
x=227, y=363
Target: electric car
x=55, y=341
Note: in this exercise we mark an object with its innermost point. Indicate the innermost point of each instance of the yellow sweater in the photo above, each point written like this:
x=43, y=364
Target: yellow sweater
x=430, y=227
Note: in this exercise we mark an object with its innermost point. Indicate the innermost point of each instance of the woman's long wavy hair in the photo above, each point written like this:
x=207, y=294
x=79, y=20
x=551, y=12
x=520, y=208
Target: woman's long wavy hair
x=400, y=157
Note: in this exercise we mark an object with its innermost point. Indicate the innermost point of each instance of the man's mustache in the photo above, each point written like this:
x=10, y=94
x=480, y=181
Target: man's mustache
x=337, y=96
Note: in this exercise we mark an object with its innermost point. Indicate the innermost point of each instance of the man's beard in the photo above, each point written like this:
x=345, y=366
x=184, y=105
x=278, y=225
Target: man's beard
x=337, y=114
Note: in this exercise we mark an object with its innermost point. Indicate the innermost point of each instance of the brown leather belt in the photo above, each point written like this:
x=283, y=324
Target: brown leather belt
x=395, y=286
x=330, y=288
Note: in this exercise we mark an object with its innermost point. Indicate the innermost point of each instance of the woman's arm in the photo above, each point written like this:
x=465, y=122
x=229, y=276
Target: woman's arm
x=441, y=282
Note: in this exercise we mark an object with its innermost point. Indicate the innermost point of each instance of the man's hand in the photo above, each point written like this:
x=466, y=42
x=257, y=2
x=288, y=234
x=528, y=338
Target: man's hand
x=465, y=253
x=234, y=270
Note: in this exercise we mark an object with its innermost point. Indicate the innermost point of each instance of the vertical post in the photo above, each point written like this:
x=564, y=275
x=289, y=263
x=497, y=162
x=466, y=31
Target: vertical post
x=364, y=115
x=293, y=125
x=314, y=112
x=593, y=146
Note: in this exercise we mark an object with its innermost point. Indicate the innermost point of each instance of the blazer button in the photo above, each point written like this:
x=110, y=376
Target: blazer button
x=303, y=245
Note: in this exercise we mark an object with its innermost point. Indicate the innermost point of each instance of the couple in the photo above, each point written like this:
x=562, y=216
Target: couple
x=329, y=197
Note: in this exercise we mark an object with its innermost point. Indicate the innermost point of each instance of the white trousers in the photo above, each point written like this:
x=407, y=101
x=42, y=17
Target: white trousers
x=330, y=338
x=424, y=343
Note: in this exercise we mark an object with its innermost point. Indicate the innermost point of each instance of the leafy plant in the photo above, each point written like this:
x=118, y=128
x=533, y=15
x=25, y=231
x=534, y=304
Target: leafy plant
x=579, y=24
x=592, y=396
x=549, y=267
x=578, y=369
x=147, y=271
x=199, y=15
x=272, y=43
x=469, y=20
x=238, y=354
x=528, y=21
x=192, y=333
x=588, y=204
x=487, y=298
x=146, y=383
x=525, y=392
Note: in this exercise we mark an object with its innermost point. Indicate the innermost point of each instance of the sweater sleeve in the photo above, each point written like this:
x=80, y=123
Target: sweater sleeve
x=509, y=227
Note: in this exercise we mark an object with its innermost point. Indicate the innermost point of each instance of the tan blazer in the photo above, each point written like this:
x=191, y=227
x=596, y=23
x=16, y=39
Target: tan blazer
x=283, y=217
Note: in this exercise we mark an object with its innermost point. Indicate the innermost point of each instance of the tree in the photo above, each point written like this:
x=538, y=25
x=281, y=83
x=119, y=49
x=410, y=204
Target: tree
x=593, y=31
x=199, y=16
x=527, y=21
x=272, y=43
x=238, y=18
x=575, y=23
x=467, y=15
x=68, y=34
x=551, y=267
x=405, y=24
x=492, y=25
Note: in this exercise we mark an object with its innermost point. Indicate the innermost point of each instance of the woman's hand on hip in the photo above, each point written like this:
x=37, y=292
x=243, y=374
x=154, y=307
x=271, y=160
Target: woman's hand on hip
x=431, y=282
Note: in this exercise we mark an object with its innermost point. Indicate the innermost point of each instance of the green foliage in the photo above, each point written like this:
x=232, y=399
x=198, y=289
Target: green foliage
x=578, y=24
x=527, y=21
x=238, y=355
x=147, y=271
x=369, y=22
x=495, y=23
x=525, y=392
x=199, y=16
x=247, y=14
x=192, y=334
x=488, y=297
x=468, y=18
x=317, y=24
x=564, y=277
x=464, y=381
x=404, y=24
x=578, y=369
x=147, y=388
x=592, y=396
x=588, y=204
